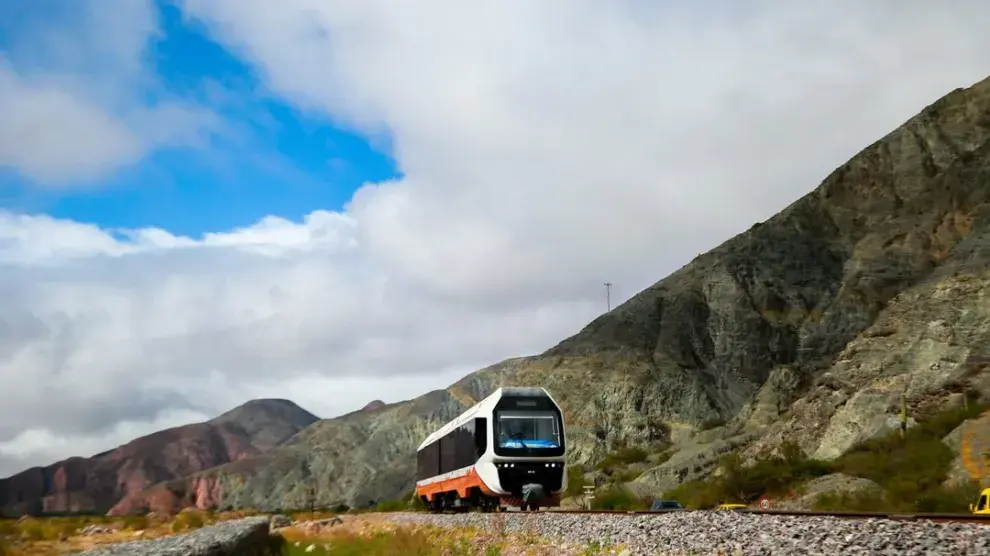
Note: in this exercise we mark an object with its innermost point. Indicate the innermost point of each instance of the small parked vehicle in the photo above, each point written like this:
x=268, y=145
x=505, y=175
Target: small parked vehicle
x=666, y=505
x=982, y=506
x=730, y=506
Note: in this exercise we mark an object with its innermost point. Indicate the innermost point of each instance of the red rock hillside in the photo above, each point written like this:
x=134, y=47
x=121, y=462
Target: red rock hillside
x=100, y=482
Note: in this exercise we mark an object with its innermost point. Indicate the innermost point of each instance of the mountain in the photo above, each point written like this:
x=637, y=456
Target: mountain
x=98, y=483
x=808, y=326
x=373, y=406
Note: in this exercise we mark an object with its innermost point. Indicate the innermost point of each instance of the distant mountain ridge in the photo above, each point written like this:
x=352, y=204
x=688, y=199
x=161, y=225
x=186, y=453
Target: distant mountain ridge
x=98, y=483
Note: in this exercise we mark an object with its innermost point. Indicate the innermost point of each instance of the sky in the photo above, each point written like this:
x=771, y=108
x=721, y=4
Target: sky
x=208, y=201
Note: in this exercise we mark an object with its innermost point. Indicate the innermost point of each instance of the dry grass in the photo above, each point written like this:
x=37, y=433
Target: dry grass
x=366, y=534
x=375, y=535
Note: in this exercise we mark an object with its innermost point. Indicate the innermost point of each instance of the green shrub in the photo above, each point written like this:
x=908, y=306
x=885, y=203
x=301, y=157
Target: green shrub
x=933, y=500
x=187, y=520
x=618, y=498
x=911, y=469
x=948, y=500
x=773, y=476
x=662, y=457
x=136, y=522
x=575, y=481
x=391, y=506
x=710, y=424
x=863, y=501
x=623, y=456
x=699, y=495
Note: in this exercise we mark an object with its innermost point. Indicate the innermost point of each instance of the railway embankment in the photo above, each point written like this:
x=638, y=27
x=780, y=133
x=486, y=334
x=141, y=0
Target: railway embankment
x=241, y=537
x=712, y=532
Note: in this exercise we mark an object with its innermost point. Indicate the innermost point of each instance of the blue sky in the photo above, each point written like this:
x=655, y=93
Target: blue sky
x=278, y=162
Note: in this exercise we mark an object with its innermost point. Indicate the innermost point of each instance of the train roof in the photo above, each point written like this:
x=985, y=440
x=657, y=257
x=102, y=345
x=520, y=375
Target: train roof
x=485, y=406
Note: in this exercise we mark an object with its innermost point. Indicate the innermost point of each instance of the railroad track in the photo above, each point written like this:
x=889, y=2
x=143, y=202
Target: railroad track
x=953, y=518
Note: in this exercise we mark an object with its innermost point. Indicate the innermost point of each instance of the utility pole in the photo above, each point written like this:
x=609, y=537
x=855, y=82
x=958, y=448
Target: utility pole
x=608, y=295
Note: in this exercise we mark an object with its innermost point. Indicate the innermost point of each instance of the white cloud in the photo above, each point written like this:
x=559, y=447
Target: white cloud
x=72, y=93
x=546, y=147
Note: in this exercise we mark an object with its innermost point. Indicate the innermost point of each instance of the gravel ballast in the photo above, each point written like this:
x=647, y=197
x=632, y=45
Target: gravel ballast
x=710, y=532
x=227, y=538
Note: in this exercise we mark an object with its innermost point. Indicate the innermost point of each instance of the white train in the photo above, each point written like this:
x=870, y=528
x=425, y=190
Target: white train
x=506, y=450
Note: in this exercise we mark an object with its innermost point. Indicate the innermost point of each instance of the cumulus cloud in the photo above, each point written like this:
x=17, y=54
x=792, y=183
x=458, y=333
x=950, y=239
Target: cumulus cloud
x=73, y=89
x=546, y=147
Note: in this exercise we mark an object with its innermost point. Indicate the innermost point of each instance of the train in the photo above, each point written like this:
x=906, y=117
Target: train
x=508, y=450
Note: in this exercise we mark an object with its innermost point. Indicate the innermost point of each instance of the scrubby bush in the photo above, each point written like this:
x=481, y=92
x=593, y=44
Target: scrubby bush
x=187, y=520
x=860, y=501
x=135, y=522
x=406, y=501
x=32, y=529
x=618, y=498
x=910, y=470
x=575, y=481
x=772, y=476
x=710, y=424
x=662, y=457
x=697, y=495
x=392, y=505
x=934, y=499
x=623, y=456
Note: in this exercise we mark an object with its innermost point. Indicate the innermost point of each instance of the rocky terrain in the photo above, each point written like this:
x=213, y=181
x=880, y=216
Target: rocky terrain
x=808, y=327
x=243, y=537
x=703, y=533
x=101, y=482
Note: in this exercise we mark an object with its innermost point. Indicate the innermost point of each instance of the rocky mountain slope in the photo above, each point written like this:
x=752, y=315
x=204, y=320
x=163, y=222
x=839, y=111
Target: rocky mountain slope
x=808, y=326
x=98, y=483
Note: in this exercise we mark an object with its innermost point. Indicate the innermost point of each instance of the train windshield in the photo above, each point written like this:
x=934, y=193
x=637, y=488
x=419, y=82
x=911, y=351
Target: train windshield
x=528, y=430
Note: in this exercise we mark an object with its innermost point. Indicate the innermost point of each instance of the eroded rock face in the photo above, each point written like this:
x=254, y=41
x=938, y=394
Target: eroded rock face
x=808, y=327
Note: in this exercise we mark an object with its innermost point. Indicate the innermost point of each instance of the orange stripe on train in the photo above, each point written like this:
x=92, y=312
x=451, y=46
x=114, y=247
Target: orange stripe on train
x=462, y=485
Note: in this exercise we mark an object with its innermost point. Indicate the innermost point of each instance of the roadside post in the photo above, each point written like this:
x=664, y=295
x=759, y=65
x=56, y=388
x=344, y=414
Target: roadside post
x=589, y=493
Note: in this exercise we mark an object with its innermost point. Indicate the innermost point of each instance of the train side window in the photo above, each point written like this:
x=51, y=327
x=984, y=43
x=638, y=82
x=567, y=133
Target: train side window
x=480, y=435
